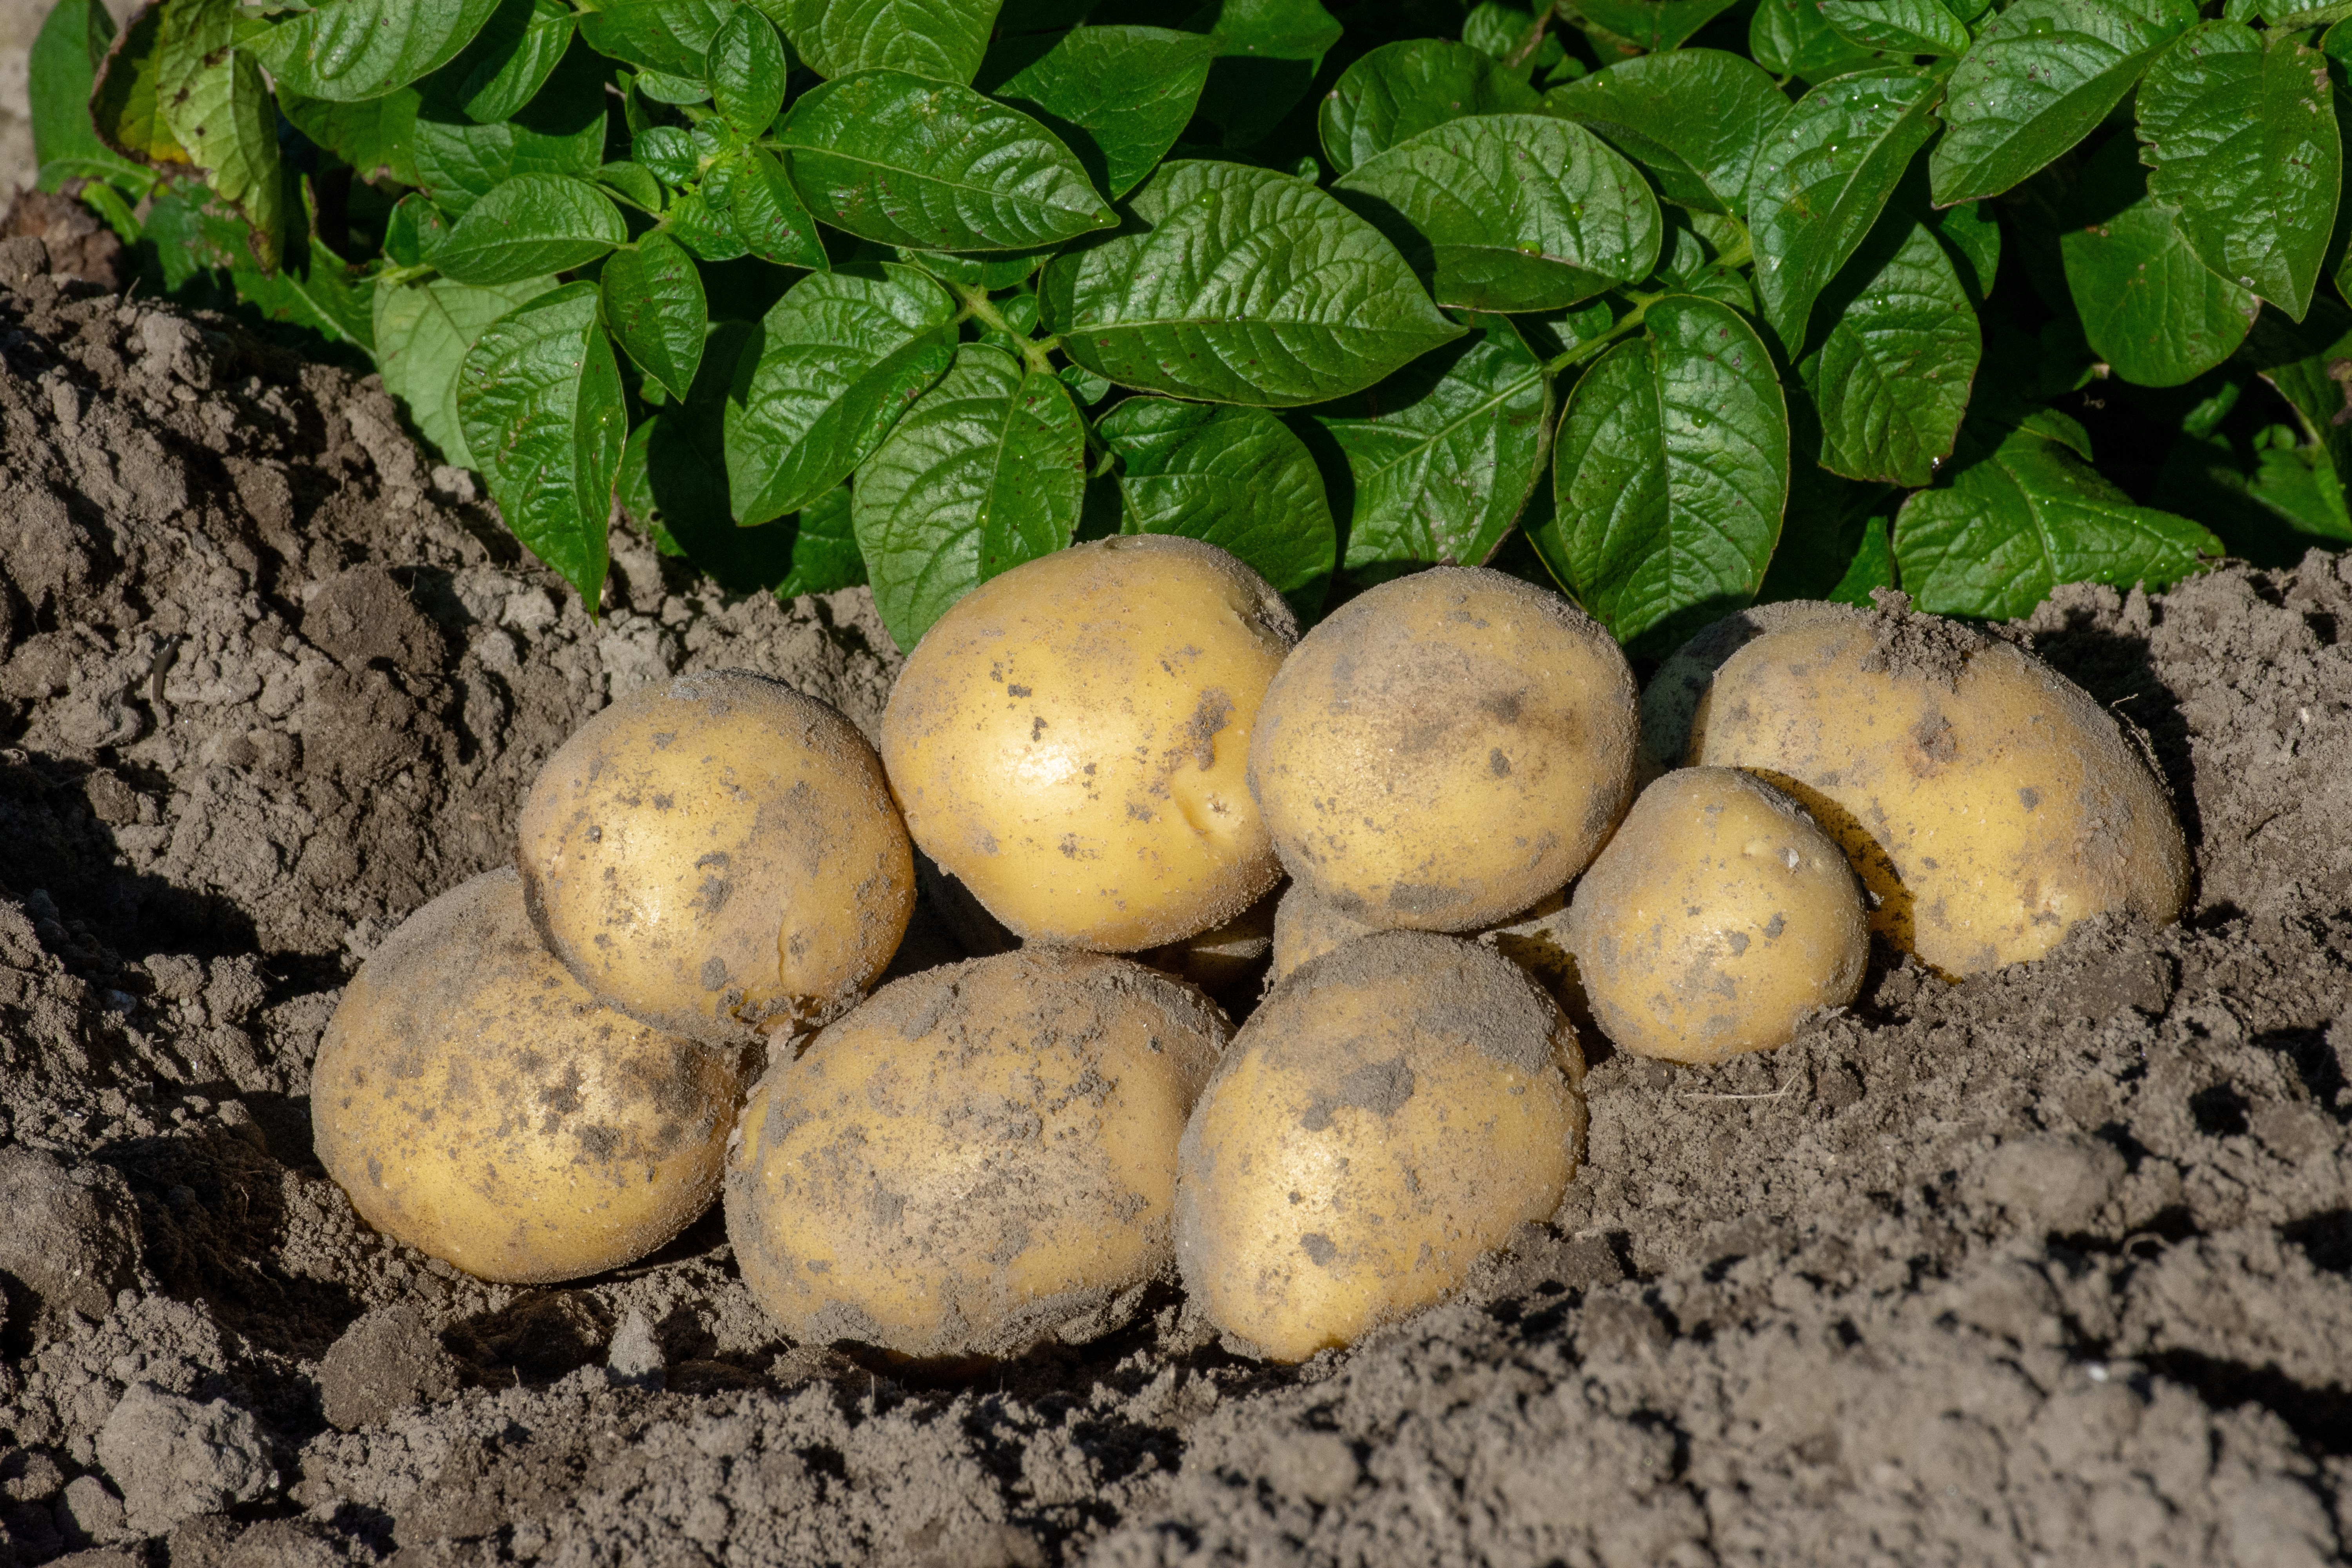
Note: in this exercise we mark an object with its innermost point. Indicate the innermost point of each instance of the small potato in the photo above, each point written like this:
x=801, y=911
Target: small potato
x=980, y=1156
x=1224, y=957
x=479, y=1104
x=1719, y=916
x=720, y=857
x=1068, y=741
x=1535, y=939
x=1986, y=801
x=1444, y=750
x=1389, y=1114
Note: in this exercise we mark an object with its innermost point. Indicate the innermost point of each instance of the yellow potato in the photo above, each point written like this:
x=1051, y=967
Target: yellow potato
x=980, y=1156
x=1389, y=1113
x=479, y=1104
x=1068, y=741
x=1717, y=918
x=1444, y=750
x=1674, y=692
x=1986, y=801
x=1306, y=927
x=1224, y=957
x=720, y=857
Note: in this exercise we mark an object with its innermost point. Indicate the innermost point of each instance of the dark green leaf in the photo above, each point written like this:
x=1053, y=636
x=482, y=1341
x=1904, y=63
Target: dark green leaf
x=838, y=359
x=943, y=39
x=1237, y=478
x=1789, y=37
x=2307, y=362
x=633, y=183
x=672, y=36
x=661, y=87
x=1643, y=107
x=987, y=273
x=511, y=58
x=1510, y=212
x=539, y=400
x=1891, y=377
x=1400, y=89
x=561, y=132
x=2019, y=513
x=124, y=108
x=421, y=333
x=2149, y=307
x=653, y=305
x=898, y=159
x=1671, y=469
x=377, y=137
x=2040, y=78
x=352, y=49
x=1240, y=284
x=986, y=470
x=2301, y=486
x=220, y=110
x=1271, y=29
x=1117, y=97
x=2241, y=143
x=63, y=68
x=669, y=151
x=1443, y=454
x=1973, y=238
x=319, y=293
x=1826, y=527
x=768, y=214
x=1899, y=27
x=1653, y=24
x=697, y=222
x=530, y=225
x=1823, y=179
x=746, y=72
x=1873, y=566
x=414, y=229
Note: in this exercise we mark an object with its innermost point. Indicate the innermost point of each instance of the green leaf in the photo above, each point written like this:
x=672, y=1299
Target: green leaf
x=529, y=225
x=540, y=401
x=660, y=86
x=1443, y=454
x=1240, y=284
x=696, y=221
x=987, y=470
x=414, y=228
x=837, y=359
x=1790, y=37
x=746, y=72
x=653, y=305
x=350, y=49
x=898, y=159
x=2149, y=307
x=942, y=39
x=632, y=183
x=219, y=109
x=2039, y=79
x=1653, y=24
x=1510, y=212
x=768, y=214
x=1643, y=107
x=560, y=132
x=2307, y=363
x=511, y=58
x=1898, y=26
x=124, y=107
x=2301, y=486
x=2018, y=514
x=1671, y=471
x=322, y=294
x=63, y=68
x=2241, y=143
x=669, y=151
x=1271, y=29
x=1891, y=377
x=377, y=138
x=1400, y=89
x=990, y=274
x=1117, y=97
x=672, y=36
x=1823, y=179
x=1236, y=478
x=421, y=333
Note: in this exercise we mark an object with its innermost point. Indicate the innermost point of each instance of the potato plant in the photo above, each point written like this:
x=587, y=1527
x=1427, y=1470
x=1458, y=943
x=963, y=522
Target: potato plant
x=1682, y=302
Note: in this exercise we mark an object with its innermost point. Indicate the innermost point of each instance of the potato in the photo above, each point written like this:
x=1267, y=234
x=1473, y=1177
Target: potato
x=980, y=1156
x=1674, y=692
x=1390, y=1113
x=479, y=1104
x=1986, y=801
x=1535, y=939
x=1716, y=920
x=1444, y=750
x=1068, y=741
x=1225, y=957
x=719, y=856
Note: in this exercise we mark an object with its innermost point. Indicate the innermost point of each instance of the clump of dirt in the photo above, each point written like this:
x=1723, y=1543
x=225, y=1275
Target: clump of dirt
x=2054, y=1264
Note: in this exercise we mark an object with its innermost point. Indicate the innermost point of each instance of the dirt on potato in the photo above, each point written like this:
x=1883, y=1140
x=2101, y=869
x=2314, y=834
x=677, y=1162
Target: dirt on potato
x=2054, y=1265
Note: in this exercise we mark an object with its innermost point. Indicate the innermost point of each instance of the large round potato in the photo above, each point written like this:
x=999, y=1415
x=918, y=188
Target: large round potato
x=1390, y=1113
x=1069, y=740
x=1717, y=918
x=1986, y=801
x=981, y=1155
x=720, y=857
x=479, y=1104
x=1444, y=750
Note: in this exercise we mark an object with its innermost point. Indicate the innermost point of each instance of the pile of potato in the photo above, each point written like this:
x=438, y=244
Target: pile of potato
x=1126, y=748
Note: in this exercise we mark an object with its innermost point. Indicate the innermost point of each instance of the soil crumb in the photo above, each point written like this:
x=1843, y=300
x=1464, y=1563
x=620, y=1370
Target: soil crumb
x=2052, y=1265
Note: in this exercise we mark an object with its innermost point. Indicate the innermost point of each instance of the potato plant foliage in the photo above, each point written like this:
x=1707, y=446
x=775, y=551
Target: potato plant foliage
x=1679, y=303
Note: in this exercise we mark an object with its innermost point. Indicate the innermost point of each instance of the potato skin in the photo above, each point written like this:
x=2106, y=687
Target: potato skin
x=1389, y=1114
x=1988, y=802
x=720, y=857
x=1444, y=750
x=478, y=1103
x=1535, y=939
x=978, y=1156
x=1718, y=916
x=1068, y=741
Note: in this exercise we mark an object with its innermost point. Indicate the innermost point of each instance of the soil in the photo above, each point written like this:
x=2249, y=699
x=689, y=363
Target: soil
x=2053, y=1266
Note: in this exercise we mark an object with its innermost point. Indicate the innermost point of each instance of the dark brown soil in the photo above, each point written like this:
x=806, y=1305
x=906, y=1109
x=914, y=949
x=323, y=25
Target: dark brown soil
x=2054, y=1266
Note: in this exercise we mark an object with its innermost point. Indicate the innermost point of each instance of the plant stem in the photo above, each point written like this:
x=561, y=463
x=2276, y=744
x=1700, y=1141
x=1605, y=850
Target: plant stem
x=980, y=307
x=1591, y=346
